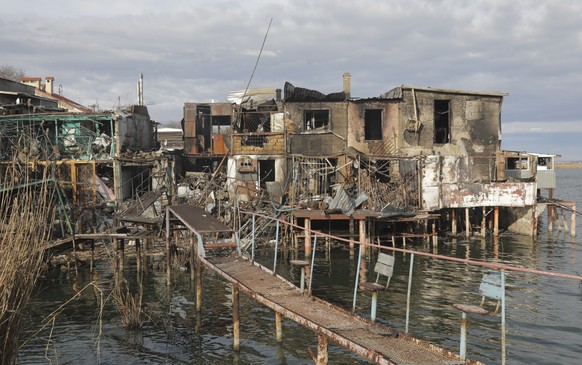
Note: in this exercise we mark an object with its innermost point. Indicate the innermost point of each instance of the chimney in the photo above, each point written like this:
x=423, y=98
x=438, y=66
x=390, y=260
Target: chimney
x=347, y=85
x=49, y=84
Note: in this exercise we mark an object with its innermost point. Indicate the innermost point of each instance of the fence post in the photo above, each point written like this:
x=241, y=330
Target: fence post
x=502, y=317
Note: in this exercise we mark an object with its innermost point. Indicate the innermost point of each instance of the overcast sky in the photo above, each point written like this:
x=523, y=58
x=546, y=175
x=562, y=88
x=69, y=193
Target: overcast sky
x=200, y=50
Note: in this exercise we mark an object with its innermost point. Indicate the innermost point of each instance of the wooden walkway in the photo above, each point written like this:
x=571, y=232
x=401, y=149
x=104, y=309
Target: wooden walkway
x=371, y=340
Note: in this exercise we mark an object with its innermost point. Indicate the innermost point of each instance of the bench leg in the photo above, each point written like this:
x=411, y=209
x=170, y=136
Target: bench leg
x=463, y=350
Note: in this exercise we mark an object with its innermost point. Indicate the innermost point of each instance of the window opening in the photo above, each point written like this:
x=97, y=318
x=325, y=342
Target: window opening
x=373, y=124
x=442, y=117
x=314, y=119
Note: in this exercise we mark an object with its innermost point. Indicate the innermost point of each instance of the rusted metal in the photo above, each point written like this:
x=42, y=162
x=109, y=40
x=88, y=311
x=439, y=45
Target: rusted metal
x=374, y=342
x=321, y=350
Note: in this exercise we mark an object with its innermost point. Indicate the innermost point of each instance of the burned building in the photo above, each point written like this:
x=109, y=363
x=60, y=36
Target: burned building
x=418, y=150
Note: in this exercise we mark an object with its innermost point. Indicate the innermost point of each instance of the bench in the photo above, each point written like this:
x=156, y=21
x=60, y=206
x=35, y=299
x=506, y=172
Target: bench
x=384, y=267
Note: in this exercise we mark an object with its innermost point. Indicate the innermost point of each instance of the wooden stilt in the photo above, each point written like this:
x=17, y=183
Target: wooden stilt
x=138, y=253
x=484, y=222
x=235, y=318
x=307, y=226
x=453, y=221
x=550, y=211
x=351, y=226
x=467, y=223
x=496, y=221
x=362, y=232
x=192, y=256
x=168, y=250
x=278, y=326
x=321, y=350
x=198, y=286
x=573, y=221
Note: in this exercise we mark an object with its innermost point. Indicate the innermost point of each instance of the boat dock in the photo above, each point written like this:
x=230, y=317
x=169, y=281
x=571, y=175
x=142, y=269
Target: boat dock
x=362, y=336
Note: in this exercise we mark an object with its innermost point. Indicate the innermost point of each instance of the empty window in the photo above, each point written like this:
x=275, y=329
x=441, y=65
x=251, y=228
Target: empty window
x=373, y=124
x=442, y=117
x=316, y=119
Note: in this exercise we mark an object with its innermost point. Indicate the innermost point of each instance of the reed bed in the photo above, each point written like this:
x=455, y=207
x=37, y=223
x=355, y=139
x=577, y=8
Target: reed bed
x=26, y=217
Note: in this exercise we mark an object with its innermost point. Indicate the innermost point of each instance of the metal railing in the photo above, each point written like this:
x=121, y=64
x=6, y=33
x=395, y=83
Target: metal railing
x=490, y=265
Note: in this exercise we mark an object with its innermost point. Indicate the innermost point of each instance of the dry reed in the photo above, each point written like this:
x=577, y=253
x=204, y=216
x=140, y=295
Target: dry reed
x=128, y=304
x=26, y=217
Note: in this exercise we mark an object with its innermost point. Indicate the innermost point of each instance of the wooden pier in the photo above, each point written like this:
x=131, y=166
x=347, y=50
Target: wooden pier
x=371, y=340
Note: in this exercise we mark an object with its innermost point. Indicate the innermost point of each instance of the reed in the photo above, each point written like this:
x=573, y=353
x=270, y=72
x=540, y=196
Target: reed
x=26, y=215
x=129, y=305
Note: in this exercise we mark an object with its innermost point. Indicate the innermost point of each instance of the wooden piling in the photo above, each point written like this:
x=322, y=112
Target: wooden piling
x=307, y=226
x=279, y=327
x=467, y=223
x=573, y=221
x=453, y=222
x=198, y=286
x=362, y=232
x=484, y=222
x=496, y=221
x=321, y=350
x=351, y=227
x=235, y=318
x=168, y=248
x=138, y=253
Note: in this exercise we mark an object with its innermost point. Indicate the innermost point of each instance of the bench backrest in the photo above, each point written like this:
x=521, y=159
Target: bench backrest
x=491, y=285
x=384, y=266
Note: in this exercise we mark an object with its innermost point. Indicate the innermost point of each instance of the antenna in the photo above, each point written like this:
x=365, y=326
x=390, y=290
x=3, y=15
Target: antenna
x=254, y=69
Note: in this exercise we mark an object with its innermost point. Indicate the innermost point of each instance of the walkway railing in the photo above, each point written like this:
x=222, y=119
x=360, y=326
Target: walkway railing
x=490, y=265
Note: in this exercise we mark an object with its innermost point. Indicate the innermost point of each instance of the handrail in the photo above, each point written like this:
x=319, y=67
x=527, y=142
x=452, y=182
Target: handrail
x=426, y=254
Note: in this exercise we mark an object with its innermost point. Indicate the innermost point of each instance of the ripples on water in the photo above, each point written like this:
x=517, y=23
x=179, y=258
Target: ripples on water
x=544, y=314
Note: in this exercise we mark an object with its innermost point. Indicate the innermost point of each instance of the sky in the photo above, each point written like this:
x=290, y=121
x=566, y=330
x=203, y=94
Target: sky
x=199, y=51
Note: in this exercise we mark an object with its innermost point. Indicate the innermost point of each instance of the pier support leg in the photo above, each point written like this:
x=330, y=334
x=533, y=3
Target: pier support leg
x=351, y=227
x=573, y=221
x=453, y=222
x=550, y=211
x=463, y=345
x=321, y=350
x=467, y=223
x=484, y=222
x=362, y=231
x=168, y=250
x=198, y=287
x=121, y=254
x=138, y=253
x=235, y=318
x=307, y=226
x=496, y=221
x=279, y=327
x=374, y=305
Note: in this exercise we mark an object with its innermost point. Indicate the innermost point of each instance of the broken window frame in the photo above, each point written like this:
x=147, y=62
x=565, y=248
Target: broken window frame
x=314, y=119
x=373, y=125
x=442, y=122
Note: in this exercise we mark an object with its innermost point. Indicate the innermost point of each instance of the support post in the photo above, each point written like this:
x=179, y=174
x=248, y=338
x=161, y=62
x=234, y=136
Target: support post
x=307, y=226
x=138, y=253
x=357, y=279
x=198, y=286
x=503, y=329
x=276, y=249
x=351, y=227
x=168, y=248
x=573, y=221
x=484, y=222
x=453, y=221
x=235, y=318
x=467, y=223
x=192, y=256
x=374, y=305
x=279, y=327
x=362, y=231
x=253, y=241
x=550, y=211
x=321, y=350
x=496, y=221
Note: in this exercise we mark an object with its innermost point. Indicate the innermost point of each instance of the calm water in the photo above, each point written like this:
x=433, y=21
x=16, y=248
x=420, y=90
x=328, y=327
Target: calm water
x=544, y=315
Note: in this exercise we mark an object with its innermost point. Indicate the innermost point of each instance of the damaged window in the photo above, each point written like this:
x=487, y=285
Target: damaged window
x=517, y=163
x=442, y=117
x=314, y=119
x=373, y=124
x=266, y=171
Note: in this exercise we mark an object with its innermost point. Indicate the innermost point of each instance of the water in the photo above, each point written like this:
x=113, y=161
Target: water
x=544, y=314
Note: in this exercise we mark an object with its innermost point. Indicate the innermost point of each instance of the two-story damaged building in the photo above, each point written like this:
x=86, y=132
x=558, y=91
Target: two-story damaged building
x=413, y=150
